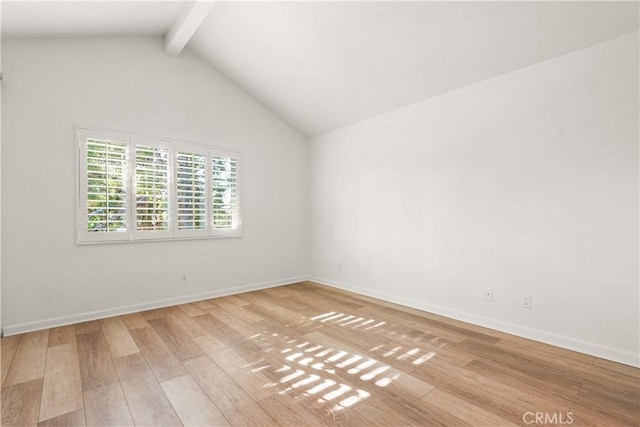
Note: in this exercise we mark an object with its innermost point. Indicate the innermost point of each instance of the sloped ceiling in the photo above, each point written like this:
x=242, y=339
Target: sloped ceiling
x=324, y=65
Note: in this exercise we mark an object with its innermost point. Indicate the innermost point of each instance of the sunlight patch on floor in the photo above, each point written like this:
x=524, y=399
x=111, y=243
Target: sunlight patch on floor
x=330, y=366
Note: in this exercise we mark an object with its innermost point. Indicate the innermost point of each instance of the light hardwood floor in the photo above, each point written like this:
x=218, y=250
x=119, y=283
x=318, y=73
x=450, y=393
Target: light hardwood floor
x=303, y=355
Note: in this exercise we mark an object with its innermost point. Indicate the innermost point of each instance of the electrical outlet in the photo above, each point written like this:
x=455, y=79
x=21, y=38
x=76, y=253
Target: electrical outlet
x=526, y=301
x=488, y=294
x=183, y=277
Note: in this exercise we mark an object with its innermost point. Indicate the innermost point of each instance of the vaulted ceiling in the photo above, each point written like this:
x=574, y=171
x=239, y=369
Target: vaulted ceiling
x=324, y=65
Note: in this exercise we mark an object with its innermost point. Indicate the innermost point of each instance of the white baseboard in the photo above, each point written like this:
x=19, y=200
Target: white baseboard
x=117, y=311
x=589, y=348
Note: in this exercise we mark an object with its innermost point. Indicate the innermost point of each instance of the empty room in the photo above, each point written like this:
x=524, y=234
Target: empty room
x=320, y=213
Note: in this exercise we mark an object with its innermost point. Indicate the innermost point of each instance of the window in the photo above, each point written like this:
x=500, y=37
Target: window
x=191, y=191
x=152, y=188
x=141, y=188
x=224, y=190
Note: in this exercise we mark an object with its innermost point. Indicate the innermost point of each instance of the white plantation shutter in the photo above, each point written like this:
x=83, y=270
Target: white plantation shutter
x=142, y=188
x=191, y=191
x=103, y=204
x=152, y=188
x=225, y=206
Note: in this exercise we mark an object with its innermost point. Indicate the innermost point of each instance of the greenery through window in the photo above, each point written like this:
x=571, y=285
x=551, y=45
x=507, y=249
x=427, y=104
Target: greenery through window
x=225, y=196
x=140, y=188
x=152, y=188
x=192, y=192
x=106, y=186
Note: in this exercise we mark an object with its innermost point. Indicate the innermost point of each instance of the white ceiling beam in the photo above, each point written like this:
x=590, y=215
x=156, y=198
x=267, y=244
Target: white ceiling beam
x=186, y=24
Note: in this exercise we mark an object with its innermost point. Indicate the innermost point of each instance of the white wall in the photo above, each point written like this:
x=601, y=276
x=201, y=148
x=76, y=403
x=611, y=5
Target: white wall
x=1, y=328
x=130, y=84
x=524, y=183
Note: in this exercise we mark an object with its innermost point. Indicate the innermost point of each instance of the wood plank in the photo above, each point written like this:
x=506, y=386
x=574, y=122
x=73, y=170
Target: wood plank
x=204, y=305
x=21, y=403
x=118, y=338
x=299, y=304
x=190, y=309
x=156, y=313
x=62, y=389
x=135, y=321
x=408, y=355
x=329, y=397
x=545, y=351
x=630, y=371
x=278, y=292
x=335, y=415
x=378, y=412
x=106, y=406
x=96, y=367
x=624, y=407
x=29, y=360
x=364, y=300
x=505, y=375
x=223, y=332
x=62, y=335
x=163, y=363
x=264, y=307
x=147, y=402
x=191, y=403
x=405, y=323
x=189, y=325
x=465, y=411
x=229, y=397
x=235, y=299
x=239, y=325
x=8, y=346
x=71, y=419
x=605, y=378
x=418, y=411
x=287, y=412
x=87, y=327
x=576, y=367
x=334, y=298
x=550, y=396
x=440, y=328
x=238, y=311
x=404, y=354
x=545, y=374
x=210, y=345
x=594, y=416
x=252, y=381
x=505, y=401
x=181, y=346
x=408, y=383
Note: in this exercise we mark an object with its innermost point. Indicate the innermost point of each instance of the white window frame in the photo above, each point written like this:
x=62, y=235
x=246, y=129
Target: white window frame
x=132, y=234
x=81, y=215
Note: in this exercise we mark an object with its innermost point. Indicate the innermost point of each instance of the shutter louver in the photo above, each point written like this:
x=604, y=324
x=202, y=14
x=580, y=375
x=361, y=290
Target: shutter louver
x=152, y=188
x=191, y=191
x=106, y=186
x=224, y=192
